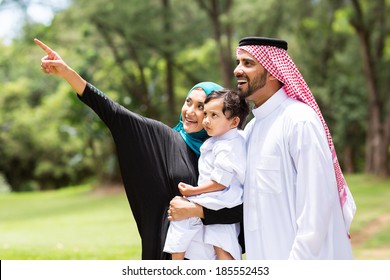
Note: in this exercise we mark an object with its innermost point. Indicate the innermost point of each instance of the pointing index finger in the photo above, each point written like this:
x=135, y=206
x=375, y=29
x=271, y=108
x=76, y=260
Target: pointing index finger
x=44, y=47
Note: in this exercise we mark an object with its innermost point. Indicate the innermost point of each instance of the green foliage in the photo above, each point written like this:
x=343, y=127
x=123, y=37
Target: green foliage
x=45, y=142
x=48, y=139
x=341, y=24
x=39, y=142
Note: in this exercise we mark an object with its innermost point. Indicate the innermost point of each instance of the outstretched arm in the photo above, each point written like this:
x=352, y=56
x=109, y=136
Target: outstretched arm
x=53, y=64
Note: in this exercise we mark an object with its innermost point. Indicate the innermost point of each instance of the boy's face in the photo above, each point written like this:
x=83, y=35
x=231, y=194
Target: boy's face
x=215, y=122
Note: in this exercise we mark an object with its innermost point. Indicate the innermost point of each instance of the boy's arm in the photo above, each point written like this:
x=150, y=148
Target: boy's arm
x=211, y=186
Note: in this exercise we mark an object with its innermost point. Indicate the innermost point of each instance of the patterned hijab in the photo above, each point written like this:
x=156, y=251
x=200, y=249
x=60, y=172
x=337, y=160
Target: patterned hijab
x=195, y=140
x=272, y=55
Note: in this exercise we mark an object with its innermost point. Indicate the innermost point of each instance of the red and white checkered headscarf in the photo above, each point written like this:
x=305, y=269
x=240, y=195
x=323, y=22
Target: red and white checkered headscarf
x=279, y=64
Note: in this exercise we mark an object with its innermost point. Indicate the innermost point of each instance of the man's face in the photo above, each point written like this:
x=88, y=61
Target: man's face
x=251, y=76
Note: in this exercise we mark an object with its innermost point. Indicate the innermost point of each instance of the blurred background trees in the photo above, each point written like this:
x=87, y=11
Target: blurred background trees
x=146, y=54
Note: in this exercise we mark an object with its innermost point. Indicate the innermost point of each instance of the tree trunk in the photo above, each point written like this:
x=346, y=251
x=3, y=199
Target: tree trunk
x=348, y=160
x=169, y=62
x=376, y=143
x=222, y=36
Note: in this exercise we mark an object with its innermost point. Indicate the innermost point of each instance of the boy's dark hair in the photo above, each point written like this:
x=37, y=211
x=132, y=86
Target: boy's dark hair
x=232, y=104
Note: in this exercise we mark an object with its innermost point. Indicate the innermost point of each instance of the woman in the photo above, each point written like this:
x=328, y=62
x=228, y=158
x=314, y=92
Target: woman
x=153, y=158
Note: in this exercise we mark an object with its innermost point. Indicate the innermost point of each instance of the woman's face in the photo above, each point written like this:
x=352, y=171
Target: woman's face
x=192, y=111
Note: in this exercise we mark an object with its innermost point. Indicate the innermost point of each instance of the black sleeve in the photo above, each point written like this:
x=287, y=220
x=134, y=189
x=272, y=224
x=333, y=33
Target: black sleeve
x=223, y=216
x=107, y=110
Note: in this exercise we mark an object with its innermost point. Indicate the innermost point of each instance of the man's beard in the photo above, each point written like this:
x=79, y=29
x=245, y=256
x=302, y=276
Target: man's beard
x=258, y=83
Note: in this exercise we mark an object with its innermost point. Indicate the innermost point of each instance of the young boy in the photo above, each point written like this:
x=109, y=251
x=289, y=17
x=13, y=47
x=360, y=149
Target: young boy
x=221, y=174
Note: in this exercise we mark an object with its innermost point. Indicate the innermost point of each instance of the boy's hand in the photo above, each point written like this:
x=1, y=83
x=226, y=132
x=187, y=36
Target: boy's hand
x=186, y=189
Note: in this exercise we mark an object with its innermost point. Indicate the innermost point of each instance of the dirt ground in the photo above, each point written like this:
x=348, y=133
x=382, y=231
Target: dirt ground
x=359, y=238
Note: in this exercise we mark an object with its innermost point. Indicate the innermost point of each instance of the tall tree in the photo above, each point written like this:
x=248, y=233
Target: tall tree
x=372, y=27
x=169, y=58
x=218, y=12
x=329, y=68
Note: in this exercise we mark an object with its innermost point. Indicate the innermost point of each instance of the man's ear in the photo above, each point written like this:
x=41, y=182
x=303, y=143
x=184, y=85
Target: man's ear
x=271, y=78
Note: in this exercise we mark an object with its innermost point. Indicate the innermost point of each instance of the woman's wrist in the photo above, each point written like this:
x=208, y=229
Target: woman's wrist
x=180, y=208
x=197, y=211
x=75, y=80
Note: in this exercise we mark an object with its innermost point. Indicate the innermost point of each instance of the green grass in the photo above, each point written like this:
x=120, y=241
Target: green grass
x=372, y=197
x=73, y=223
x=80, y=223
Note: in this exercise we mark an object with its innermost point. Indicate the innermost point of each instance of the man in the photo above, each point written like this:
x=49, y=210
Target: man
x=296, y=202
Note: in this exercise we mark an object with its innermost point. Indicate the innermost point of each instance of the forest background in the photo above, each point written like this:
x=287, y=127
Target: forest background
x=146, y=54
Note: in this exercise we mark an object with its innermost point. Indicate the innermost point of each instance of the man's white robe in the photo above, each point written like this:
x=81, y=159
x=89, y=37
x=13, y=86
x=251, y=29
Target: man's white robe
x=291, y=204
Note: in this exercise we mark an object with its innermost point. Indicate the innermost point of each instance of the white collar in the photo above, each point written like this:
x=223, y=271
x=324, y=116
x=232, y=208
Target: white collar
x=271, y=104
x=232, y=133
